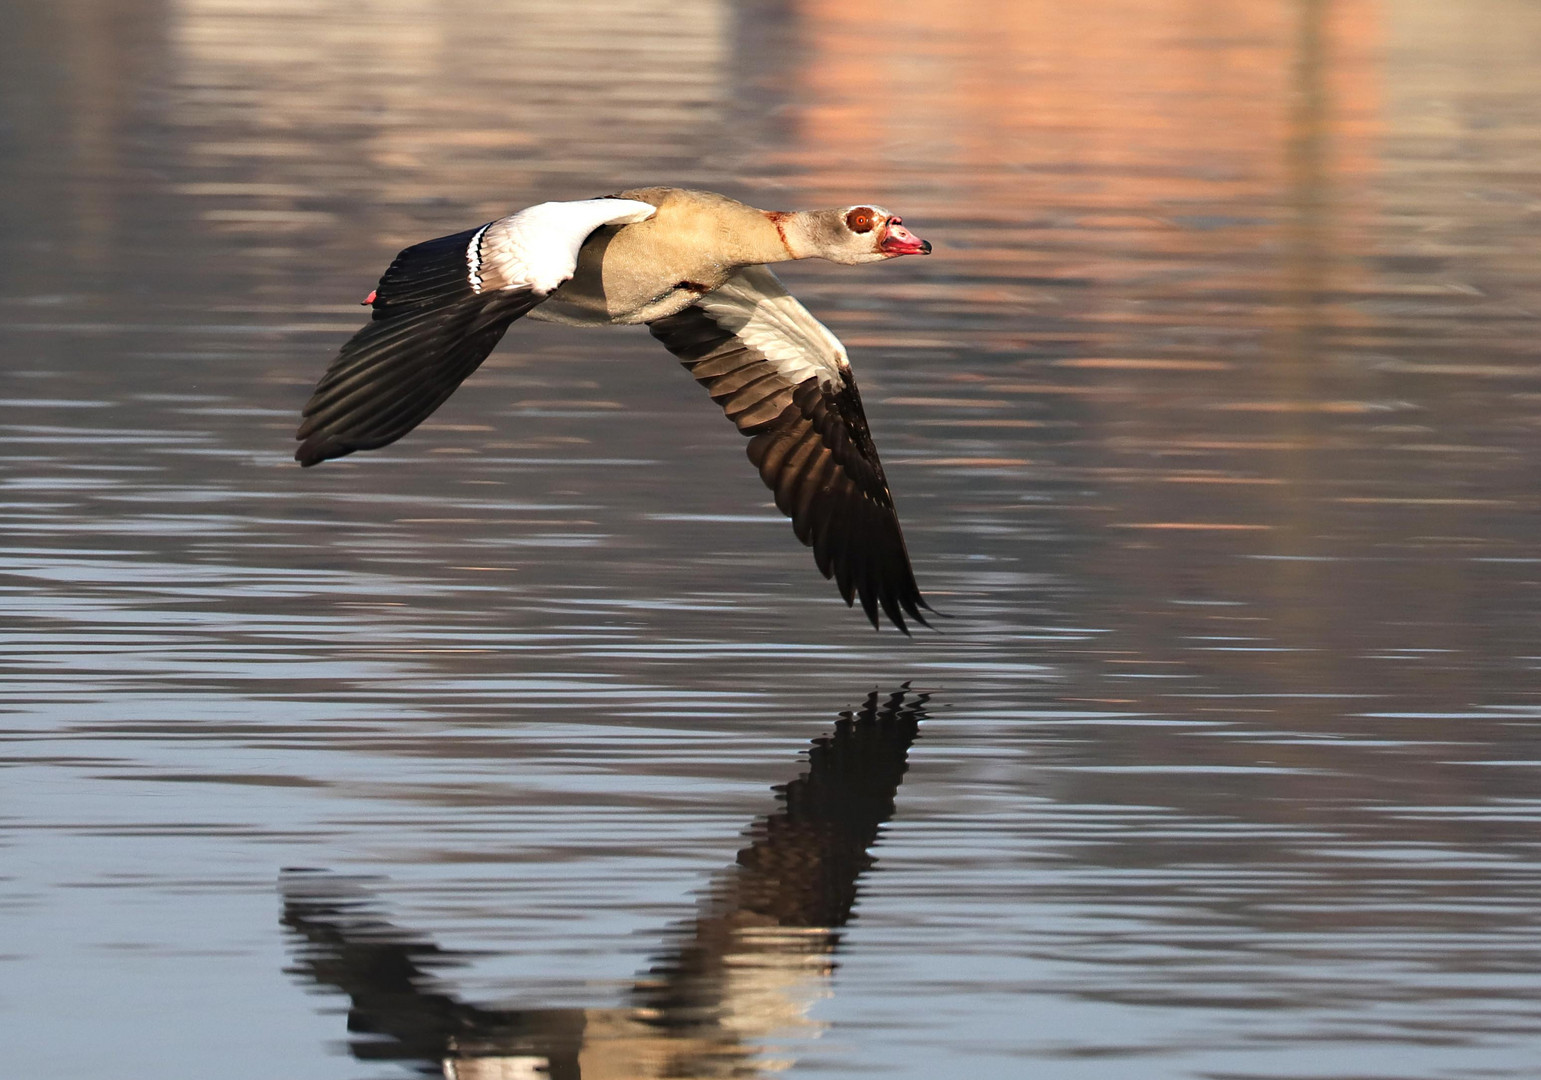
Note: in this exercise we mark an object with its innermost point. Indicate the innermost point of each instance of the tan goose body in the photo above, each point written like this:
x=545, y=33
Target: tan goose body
x=645, y=271
x=691, y=265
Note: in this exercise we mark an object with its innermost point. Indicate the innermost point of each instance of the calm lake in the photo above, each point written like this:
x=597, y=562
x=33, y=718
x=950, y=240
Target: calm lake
x=534, y=745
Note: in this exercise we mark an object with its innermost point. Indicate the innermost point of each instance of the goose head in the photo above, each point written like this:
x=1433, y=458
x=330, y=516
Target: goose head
x=853, y=234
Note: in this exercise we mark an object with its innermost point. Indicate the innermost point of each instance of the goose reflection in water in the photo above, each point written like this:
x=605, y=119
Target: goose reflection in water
x=743, y=972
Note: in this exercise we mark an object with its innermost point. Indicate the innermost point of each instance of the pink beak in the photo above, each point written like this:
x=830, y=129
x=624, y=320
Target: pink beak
x=897, y=240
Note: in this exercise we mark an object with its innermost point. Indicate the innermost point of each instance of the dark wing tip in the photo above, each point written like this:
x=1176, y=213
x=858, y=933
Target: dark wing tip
x=318, y=448
x=931, y=611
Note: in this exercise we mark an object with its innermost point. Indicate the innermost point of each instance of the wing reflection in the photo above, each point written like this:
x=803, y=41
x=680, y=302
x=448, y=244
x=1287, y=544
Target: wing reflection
x=743, y=971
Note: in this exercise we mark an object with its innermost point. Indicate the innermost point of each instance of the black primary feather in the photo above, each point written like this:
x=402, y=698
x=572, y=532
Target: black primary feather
x=429, y=330
x=810, y=442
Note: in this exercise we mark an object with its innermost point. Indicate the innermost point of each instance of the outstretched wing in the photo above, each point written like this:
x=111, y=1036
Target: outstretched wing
x=784, y=380
x=439, y=310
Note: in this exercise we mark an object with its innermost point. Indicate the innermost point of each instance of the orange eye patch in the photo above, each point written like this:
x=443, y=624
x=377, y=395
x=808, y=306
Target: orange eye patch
x=859, y=220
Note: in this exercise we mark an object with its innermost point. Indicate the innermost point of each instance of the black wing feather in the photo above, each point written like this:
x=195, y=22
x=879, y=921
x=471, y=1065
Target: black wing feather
x=810, y=442
x=429, y=330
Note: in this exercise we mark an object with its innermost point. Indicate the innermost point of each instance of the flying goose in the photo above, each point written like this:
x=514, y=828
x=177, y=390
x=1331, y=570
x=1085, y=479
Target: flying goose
x=692, y=266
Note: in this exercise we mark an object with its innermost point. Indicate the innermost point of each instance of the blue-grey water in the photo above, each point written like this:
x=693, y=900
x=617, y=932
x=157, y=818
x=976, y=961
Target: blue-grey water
x=517, y=749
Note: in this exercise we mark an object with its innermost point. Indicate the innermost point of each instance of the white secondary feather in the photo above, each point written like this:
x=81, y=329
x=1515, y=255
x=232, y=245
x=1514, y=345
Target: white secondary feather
x=538, y=247
x=755, y=307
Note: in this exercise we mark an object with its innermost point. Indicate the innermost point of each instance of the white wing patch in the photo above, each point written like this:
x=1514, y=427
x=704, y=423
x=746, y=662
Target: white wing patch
x=474, y=257
x=537, y=248
x=755, y=307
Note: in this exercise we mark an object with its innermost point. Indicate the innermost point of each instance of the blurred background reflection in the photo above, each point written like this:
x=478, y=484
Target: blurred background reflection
x=1213, y=420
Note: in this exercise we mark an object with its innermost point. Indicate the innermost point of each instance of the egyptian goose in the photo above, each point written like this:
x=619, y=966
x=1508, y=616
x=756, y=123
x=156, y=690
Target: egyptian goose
x=691, y=265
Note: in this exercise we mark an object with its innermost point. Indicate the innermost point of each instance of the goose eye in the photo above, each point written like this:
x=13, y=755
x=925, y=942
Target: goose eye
x=859, y=220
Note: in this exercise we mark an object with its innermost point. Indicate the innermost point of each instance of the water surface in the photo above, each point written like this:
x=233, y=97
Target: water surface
x=1212, y=422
